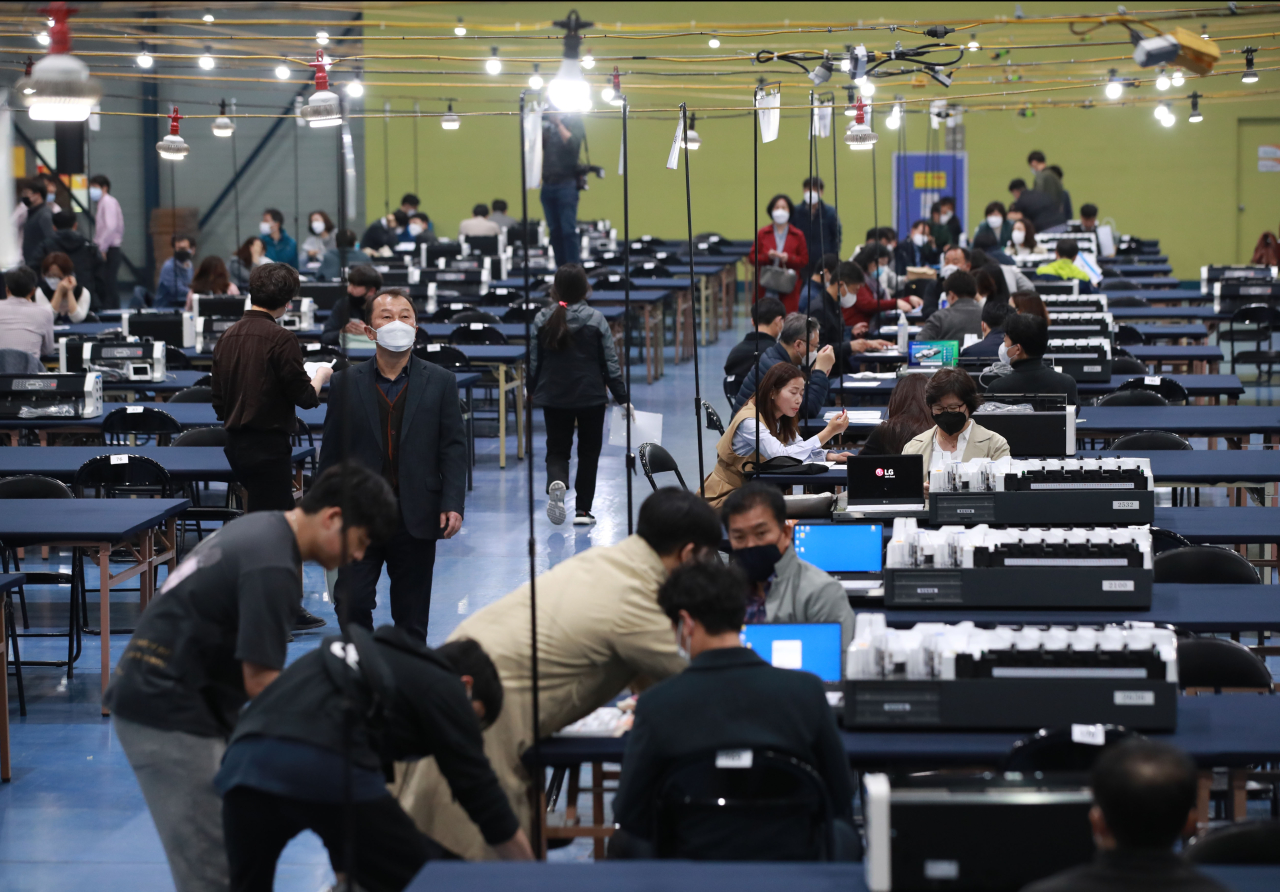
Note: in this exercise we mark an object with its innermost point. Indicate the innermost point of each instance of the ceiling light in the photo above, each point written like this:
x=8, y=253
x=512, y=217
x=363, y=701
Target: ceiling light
x=494, y=65
x=460, y=30
x=1178, y=78
x=323, y=109
x=894, y=121
x=859, y=136
x=569, y=90
x=974, y=46
x=282, y=72
x=845, y=64
x=1114, y=87
x=1168, y=118
x=1195, y=117
x=222, y=125
x=588, y=61
x=43, y=38
x=615, y=96
x=1162, y=81
x=867, y=88
x=207, y=18
x=144, y=60
x=535, y=79
x=206, y=61
x=59, y=87
x=607, y=94
x=355, y=89
x=822, y=72
x=1250, y=76
x=714, y=43
x=691, y=139
x=450, y=121
x=173, y=146
x=322, y=38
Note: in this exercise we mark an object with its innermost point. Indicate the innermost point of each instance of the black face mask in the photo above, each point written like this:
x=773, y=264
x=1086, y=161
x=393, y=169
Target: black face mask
x=951, y=423
x=26, y=201
x=757, y=561
x=182, y=255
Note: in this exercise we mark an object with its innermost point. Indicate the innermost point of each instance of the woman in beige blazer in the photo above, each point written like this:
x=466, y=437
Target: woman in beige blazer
x=952, y=397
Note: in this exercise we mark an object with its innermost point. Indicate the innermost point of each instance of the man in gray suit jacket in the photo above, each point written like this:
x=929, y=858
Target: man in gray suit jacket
x=962, y=316
x=398, y=405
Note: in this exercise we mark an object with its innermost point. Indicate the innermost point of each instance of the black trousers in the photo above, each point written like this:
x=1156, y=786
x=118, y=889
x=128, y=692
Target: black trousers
x=261, y=462
x=410, y=563
x=560, y=422
x=110, y=271
x=389, y=849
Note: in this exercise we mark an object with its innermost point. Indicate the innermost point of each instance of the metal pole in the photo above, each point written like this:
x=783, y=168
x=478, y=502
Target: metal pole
x=235, y=180
x=296, y=231
x=693, y=304
x=386, y=157
x=417, y=118
x=755, y=218
x=626, y=309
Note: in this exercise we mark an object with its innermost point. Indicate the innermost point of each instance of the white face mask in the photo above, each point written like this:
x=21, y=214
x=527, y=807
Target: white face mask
x=416, y=229
x=945, y=217
x=52, y=282
x=95, y=194
x=264, y=228
x=1019, y=236
x=51, y=197
x=811, y=358
x=780, y=215
x=811, y=197
x=947, y=269
x=918, y=239
x=1004, y=354
x=397, y=336
x=317, y=226
x=682, y=649
x=848, y=298
x=995, y=221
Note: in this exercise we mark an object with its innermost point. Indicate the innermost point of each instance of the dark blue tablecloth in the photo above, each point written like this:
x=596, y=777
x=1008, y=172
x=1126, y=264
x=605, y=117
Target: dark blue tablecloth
x=1184, y=420
x=182, y=463
x=35, y=521
x=1175, y=353
x=1206, y=467
x=1158, y=295
x=1127, y=314
x=638, y=296
x=187, y=414
x=1222, y=526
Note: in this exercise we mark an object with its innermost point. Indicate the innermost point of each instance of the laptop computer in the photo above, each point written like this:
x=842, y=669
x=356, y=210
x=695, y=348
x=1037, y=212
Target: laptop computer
x=852, y=553
x=809, y=647
x=929, y=356
x=885, y=483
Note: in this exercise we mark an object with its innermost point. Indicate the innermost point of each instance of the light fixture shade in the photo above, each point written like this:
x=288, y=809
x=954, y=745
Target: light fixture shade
x=569, y=90
x=1162, y=81
x=535, y=82
x=323, y=109
x=207, y=62
x=223, y=126
x=144, y=60
x=173, y=147
x=450, y=121
x=866, y=88
x=59, y=89
x=1114, y=89
x=860, y=137
x=1195, y=118
x=1178, y=78
x=607, y=94
x=894, y=121
x=691, y=140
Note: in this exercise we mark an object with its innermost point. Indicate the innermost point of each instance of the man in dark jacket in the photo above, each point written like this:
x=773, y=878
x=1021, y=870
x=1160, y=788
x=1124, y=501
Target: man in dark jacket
x=728, y=699
x=994, y=314
x=919, y=249
x=766, y=316
x=795, y=347
x=1026, y=340
x=295, y=747
x=815, y=218
x=381, y=410
x=1042, y=209
x=84, y=255
x=347, y=316
x=1144, y=794
x=39, y=226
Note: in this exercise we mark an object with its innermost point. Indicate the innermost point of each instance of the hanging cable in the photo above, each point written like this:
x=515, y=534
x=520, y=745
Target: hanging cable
x=235, y=180
x=417, y=118
x=386, y=157
x=296, y=189
x=693, y=306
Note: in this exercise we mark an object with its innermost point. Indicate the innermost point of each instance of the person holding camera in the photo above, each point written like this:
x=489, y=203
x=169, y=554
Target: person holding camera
x=562, y=138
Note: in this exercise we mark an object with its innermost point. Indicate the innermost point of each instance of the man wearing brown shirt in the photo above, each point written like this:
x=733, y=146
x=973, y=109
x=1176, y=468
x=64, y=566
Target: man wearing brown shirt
x=258, y=378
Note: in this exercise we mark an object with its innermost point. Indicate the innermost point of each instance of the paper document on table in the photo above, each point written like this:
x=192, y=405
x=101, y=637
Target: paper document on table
x=857, y=416
x=861, y=384
x=607, y=721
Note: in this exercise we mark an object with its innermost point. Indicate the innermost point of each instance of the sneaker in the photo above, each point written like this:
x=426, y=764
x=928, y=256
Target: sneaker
x=583, y=519
x=555, y=502
x=307, y=621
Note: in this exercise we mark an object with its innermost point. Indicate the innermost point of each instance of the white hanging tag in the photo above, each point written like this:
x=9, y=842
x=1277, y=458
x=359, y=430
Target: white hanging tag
x=768, y=105
x=673, y=157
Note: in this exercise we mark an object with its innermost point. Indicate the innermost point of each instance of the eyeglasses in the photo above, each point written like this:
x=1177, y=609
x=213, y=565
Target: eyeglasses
x=954, y=407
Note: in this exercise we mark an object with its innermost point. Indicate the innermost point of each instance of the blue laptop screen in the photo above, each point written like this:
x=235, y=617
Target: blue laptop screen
x=839, y=547
x=811, y=647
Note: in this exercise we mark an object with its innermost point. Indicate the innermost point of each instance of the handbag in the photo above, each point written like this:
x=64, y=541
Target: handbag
x=778, y=278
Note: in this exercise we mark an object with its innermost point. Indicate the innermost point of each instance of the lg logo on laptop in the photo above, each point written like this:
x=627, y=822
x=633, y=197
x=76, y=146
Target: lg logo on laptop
x=884, y=472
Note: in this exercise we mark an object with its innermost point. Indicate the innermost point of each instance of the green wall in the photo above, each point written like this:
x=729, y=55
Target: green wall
x=1176, y=184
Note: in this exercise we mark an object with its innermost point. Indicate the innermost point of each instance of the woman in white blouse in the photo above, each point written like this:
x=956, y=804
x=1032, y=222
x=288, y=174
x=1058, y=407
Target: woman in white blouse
x=952, y=398
x=781, y=396
x=59, y=292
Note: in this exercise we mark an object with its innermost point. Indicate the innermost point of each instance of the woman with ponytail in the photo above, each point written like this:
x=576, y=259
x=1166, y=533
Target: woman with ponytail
x=572, y=369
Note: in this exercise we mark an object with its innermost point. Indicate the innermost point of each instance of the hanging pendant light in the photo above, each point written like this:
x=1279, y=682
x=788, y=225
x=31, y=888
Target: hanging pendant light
x=323, y=109
x=569, y=90
x=222, y=125
x=691, y=139
x=173, y=147
x=859, y=136
x=450, y=121
x=59, y=87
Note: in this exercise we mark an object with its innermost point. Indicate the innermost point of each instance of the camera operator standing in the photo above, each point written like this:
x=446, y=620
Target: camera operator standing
x=562, y=138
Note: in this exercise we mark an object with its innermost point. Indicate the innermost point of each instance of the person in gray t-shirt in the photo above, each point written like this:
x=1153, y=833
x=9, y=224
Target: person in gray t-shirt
x=24, y=325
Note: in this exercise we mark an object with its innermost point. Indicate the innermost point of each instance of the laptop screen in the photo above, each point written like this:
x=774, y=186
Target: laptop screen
x=886, y=477
x=811, y=647
x=932, y=354
x=840, y=547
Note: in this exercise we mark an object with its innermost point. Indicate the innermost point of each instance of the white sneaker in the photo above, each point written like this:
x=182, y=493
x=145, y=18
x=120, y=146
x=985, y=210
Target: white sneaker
x=555, y=502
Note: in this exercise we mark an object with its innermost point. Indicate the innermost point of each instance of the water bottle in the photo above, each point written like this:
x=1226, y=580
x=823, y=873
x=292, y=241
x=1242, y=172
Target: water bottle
x=943, y=303
x=902, y=332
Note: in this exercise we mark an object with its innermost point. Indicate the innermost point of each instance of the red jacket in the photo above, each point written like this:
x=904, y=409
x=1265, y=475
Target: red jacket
x=865, y=306
x=797, y=259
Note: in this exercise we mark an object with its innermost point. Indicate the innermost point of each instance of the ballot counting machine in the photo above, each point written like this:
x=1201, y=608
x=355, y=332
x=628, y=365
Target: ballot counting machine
x=300, y=316
x=133, y=359
x=1028, y=567
x=1087, y=359
x=177, y=327
x=1230, y=295
x=1043, y=491
x=1074, y=303
x=959, y=676
x=214, y=314
x=51, y=396
x=1081, y=324
x=1235, y=273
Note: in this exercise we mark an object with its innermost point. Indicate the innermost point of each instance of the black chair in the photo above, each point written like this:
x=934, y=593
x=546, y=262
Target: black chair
x=204, y=381
x=1249, y=842
x=1171, y=390
x=649, y=270
x=1052, y=749
x=1166, y=540
x=193, y=395
x=443, y=355
x=1133, y=398
x=1126, y=300
x=731, y=386
x=141, y=422
x=484, y=245
x=1128, y=336
x=485, y=334
x=1127, y=365
x=466, y=317
x=1220, y=665
x=656, y=460
x=324, y=353
x=34, y=487
x=519, y=315
x=1253, y=324
x=1151, y=440
x=442, y=314
x=1269, y=358
x=713, y=418
x=200, y=514
x=1118, y=284
x=175, y=360
x=1204, y=565
x=776, y=810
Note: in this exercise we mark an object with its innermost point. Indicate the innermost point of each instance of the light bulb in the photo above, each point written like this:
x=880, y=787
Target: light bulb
x=450, y=121
x=867, y=88
x=588, y=62
x=282, y=72
x=207, y=18
x=1249, y=77
x=460, y=30
x=144, y=60
x=1159, y=111
x=974, y=46
x=1114, y=89
x=59, y=88
x=894, y=121
x=206, y=61
x=322, y=38
x=1163, y=82
x=355, y=89
x=1195, y=118
x=43, y=38
x=1168, y=120
x=535, y=82
x=607, y=94
x=845, y=64
x=569, y=90
x=692, y=140
x=1178, y=78
x=223, y=126
x=714, y=43
x=860, y=137
x=494, y=65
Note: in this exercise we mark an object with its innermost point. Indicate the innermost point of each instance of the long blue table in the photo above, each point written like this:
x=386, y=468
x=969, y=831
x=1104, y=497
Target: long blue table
x=1159, y=295
x=1196, y=385
x=182, y=462
x=709, y=876
x=1206, y=357
x=1136, y=269
x=1206, y=421
x=188, y=415
x=1204, y=313
x=1222, y=526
